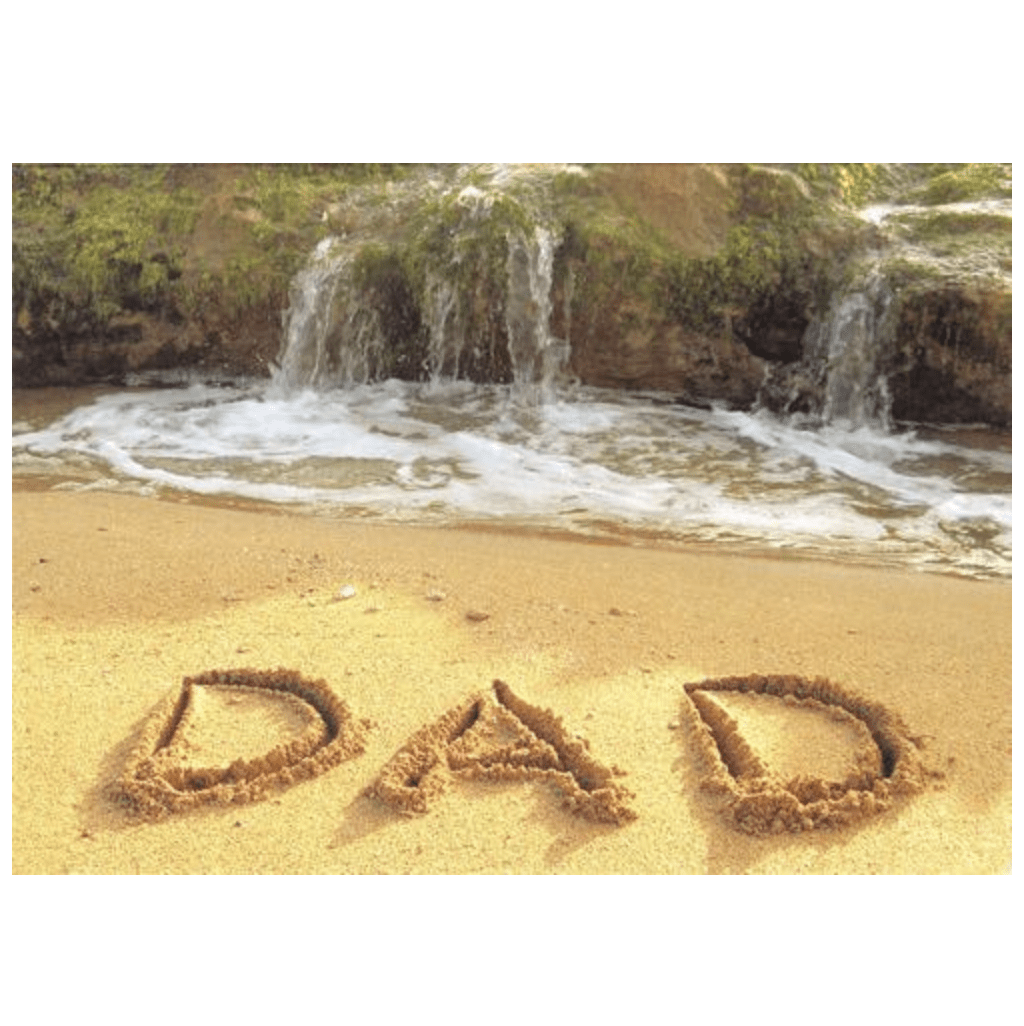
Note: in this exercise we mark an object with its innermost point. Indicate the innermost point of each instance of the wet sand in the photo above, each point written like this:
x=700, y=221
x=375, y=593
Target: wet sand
x=117, y=598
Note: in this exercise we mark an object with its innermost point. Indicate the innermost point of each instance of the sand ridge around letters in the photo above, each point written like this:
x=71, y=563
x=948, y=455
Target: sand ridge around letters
x=503, y=739
x=125, y=606
x=160, y=778
x=885, y=767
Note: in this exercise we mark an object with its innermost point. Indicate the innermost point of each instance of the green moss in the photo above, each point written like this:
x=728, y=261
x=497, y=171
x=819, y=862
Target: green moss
x=851, y=184
x=958, y=245
x=466, y=247
x=97, y=239
x=91, y=241
x=566, y=185
x=909, y=277
x=857, y=185
x=452, y=251
x=946, y=224
x=286, y=205
x=953, y=183
x=621, y=264
x=765, y=257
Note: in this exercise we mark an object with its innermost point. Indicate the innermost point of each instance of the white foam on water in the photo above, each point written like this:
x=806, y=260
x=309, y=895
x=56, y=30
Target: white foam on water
x=587, y=458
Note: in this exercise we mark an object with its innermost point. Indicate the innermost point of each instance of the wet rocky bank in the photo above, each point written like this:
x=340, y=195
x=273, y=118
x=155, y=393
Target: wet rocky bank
x=719, y=284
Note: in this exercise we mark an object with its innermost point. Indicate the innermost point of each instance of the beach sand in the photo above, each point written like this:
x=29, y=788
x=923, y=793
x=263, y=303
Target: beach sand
x=117, y=598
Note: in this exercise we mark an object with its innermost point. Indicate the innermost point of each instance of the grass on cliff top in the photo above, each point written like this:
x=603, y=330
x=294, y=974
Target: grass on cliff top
x=857, y=185
x=753, y=233
x=956, y=183
x=100, y=239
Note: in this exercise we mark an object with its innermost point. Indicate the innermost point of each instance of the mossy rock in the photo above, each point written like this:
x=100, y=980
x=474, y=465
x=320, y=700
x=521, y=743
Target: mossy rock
x=205, y=250
x=957, y=183
x=691, y=278
x=952, y=356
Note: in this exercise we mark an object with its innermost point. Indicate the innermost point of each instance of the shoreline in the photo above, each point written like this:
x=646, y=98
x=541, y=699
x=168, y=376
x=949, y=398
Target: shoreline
x=116, y=598
x=631, y=537
x=872, y=538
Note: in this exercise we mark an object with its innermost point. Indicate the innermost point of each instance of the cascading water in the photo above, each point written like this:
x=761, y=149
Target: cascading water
x=331, y=337
x=447, y=336
x=537, y=357
x=841, y=378
x=334, y=335
x=345, y=429
x=848, y=347
x=452, y=293
x=848, y=354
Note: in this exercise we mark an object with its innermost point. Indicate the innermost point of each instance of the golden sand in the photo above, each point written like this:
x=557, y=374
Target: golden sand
x=125, y=607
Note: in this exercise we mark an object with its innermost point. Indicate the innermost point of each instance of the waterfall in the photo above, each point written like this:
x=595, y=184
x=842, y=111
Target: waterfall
x=447, y=335
x=338, y=332
x=537, y=357
x=850, y=345
x=455, y=290
x=842, y=376
x=331, y=337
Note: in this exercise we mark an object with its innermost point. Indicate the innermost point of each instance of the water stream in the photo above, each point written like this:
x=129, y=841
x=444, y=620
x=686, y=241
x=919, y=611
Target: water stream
x=332, y=436
x=846, y=348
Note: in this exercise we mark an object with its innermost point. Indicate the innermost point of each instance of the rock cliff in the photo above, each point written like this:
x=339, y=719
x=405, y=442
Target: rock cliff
x=705, y=281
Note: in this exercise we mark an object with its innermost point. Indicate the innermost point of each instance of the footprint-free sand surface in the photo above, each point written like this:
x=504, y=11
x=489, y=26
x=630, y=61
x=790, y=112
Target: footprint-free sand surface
x=118, y=598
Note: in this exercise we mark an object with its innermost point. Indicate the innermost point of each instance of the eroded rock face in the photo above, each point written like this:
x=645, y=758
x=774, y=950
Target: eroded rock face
x=665, y=293
x=699, y=280
x=697, y=368
x=953, y=358
x=624, y=347
x=688, y=204
x=73, y=353
x=947, y=360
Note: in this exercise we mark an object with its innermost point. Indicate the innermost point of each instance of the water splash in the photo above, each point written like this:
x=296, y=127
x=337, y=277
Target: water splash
x=476, y=272
x=537, y=357
x=842, y=376
x=600, y=463
x=332, y=337
x=849, y=347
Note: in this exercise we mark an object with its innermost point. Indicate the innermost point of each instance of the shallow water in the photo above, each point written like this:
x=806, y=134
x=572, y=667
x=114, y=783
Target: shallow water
x=588, y=461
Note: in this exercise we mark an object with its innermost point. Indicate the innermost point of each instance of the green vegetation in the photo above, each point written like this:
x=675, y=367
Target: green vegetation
x=975, y=240
x=946, y=246
x=765, y=254
x=857, y=185
x=946, y=224
x=955, y=183
x=461, y=244
x=102, y=248
x=91, y=241
x=851, y=184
